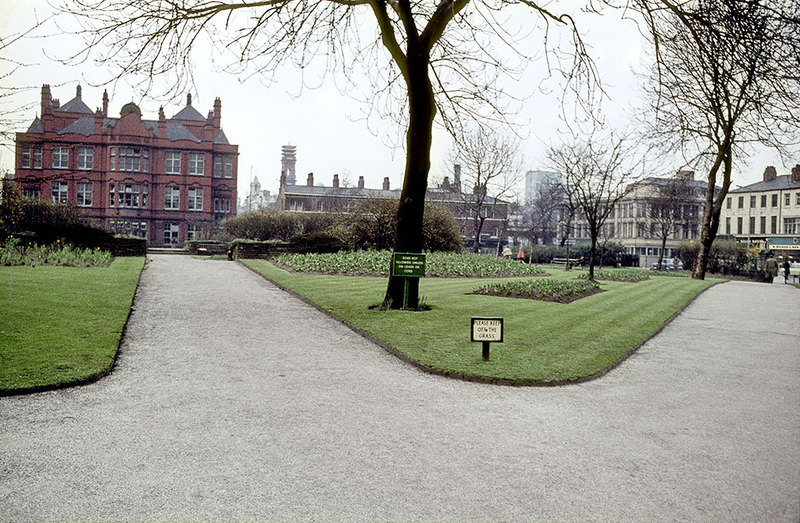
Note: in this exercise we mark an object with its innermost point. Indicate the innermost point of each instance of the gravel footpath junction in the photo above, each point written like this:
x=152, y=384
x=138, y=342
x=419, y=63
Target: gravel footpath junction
x=235, y=401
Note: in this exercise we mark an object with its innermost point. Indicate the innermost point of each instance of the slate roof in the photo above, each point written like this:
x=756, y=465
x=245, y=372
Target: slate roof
x=75, y=105
x=189, y=113
x=221, y=139
x=83, y=125
x=779, y=183
x=351, y=192
x=36, y=126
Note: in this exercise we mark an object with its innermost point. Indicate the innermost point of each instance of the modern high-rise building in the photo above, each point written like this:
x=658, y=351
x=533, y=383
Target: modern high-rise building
x=166, y=180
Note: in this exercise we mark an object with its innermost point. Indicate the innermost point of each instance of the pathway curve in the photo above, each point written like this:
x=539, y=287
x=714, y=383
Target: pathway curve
x=233, y=400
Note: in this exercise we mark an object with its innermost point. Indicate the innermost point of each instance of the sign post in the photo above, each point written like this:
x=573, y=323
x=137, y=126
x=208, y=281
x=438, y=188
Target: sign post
x=487, y=330
x=408, y=265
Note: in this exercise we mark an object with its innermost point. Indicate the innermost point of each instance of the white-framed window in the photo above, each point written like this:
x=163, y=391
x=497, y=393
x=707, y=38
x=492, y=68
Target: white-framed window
x=31, y=157
x=84, y=194
x=194, y=200
x=172, y=198
x=111, y=195
x=85, y=158
x=217, y=171
x=130, y=159
x=791, y=226
x=222, y=204
x=196, y=164
x=170, y=233
x=128, y=195
x=194, y=231
x=172, y=162
x=59, y=192
x=797, y=198
x=228, y=167
x=32, y=192
x=60, y=157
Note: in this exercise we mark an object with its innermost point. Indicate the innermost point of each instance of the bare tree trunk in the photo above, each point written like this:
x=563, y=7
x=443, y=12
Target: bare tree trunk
x=412, y=198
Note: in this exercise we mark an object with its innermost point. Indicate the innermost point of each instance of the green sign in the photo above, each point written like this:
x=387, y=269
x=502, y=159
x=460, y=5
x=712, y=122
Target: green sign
x=408, y=264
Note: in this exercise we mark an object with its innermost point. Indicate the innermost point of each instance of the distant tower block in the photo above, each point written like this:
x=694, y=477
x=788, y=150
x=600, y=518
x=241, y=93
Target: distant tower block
x=288, y=159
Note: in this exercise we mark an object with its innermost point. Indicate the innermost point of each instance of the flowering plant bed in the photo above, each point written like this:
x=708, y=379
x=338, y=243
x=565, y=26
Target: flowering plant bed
x=545, y=289
x=376, y=263
x=626, y=275
x=13, y=252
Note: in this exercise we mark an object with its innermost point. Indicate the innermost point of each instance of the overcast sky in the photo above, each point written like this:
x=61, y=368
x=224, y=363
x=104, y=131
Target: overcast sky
x=325, y=125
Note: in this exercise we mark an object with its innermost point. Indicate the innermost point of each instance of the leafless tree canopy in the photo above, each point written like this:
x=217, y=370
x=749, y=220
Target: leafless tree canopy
x=726, y=76
x=667, y=207
x=470, y=45
x=597, y=172
x=491, y=170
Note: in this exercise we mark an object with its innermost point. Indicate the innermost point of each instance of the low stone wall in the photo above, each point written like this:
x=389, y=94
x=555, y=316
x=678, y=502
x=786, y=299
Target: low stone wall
x=252, y=249
x=126, y=246
x=204, y=247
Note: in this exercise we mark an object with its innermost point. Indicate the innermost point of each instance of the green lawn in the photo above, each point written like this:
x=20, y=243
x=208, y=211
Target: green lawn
x=62, y=325
x=544, y=341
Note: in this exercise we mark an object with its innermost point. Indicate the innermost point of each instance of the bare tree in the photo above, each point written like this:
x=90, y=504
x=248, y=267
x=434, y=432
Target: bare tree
x=726, y=77
x=598, y=172
x=435, y=57
x=491, y=168
x=668, y=208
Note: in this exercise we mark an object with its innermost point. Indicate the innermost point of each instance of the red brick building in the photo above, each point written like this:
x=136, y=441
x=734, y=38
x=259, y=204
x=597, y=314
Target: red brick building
x=166, y=180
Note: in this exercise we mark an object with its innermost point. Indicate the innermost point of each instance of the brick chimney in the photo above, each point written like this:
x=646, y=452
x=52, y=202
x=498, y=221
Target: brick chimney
x=770, y=173
x=217, y=115
x=796, y=173
x=386, y=183
x=335, y=181
x=47, y=107
x=360, y=182
x=98, y=121
x=310, y=180
x=162, y=123
x=105, y=103
x=457, y=178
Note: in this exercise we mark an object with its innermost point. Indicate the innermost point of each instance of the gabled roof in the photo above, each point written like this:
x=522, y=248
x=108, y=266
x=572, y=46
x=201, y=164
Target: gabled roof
x=189, y=113
x=221, y=139
x=778, y=183
x=36, y=126
x=83, y=125
x=75, y=105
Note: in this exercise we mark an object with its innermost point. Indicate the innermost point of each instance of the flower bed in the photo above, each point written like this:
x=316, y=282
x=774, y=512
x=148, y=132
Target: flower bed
x=626, y=275
x=376, y=263
x=13, y=252
x=545, y=289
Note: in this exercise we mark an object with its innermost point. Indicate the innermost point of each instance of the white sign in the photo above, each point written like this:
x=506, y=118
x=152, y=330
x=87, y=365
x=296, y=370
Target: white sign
x=487, y=329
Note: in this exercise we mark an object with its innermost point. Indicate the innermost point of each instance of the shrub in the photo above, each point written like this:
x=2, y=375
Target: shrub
x=545, y=289
x=317, y=242
x=726, y=257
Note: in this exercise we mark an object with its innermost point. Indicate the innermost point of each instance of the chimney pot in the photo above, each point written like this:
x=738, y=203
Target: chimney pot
x=310, y=180
x=335, y=181
x=386, y=183
x=360, y=182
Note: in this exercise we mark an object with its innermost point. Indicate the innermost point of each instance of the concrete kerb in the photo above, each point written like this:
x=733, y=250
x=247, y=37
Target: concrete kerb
x=481, y=379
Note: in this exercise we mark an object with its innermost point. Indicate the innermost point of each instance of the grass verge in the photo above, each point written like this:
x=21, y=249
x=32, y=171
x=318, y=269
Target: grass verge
x=544, y=342
x=62, y=325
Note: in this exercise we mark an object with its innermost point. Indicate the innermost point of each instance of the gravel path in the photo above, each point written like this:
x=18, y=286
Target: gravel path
x=233, y=400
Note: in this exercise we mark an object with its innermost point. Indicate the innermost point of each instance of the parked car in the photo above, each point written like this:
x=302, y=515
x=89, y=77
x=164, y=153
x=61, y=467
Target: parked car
x=668, y=264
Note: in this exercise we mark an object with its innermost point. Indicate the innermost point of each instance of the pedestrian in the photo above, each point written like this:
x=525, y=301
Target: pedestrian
x=521, y=255
x=507, y=252
x=786, y=267
x=770, y=268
